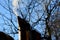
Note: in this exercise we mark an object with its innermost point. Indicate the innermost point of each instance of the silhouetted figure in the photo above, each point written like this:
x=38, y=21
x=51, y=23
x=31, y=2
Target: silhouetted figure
x=25, y=28
x=4, y=36
x=26, y=31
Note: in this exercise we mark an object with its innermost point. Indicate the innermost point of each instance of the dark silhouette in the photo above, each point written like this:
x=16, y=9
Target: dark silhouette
x=4, y=36
x=25, y=28
x=26, y=31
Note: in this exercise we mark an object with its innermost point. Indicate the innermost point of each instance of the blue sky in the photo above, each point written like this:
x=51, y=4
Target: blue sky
x=37, y=12
x=6, y=13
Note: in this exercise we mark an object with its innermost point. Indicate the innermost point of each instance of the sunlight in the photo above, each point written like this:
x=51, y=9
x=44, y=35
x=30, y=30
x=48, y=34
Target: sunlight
x=15, y=6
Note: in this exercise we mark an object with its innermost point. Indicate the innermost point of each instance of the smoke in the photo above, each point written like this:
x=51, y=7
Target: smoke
x=15, y=6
